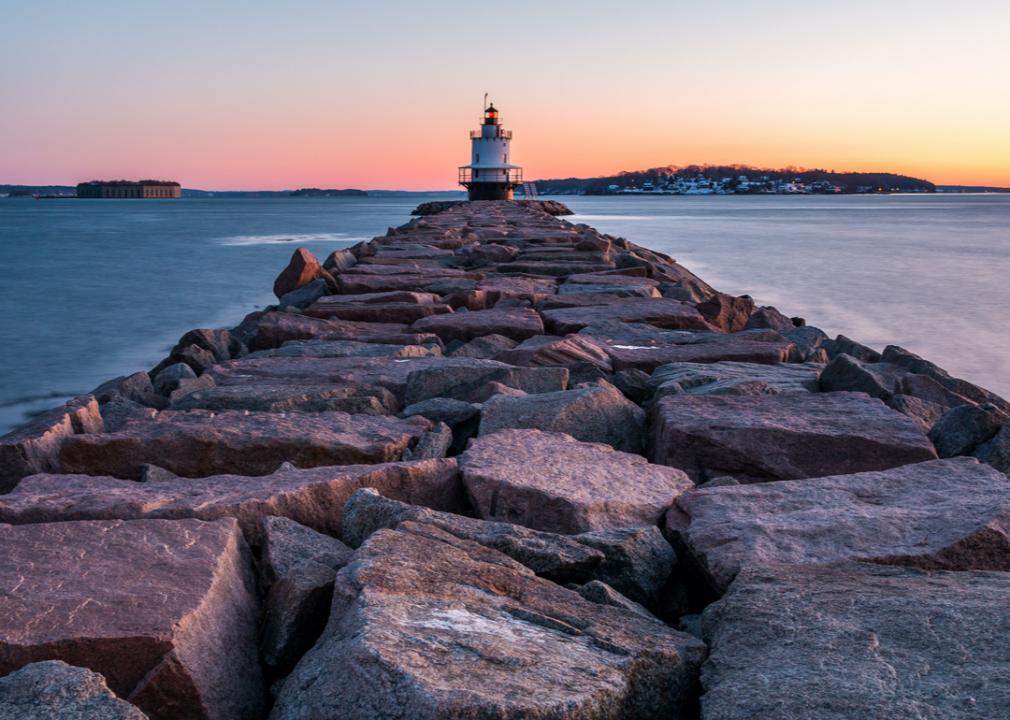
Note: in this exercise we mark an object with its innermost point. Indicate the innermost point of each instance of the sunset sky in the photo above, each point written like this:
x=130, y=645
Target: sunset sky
x=381, y=94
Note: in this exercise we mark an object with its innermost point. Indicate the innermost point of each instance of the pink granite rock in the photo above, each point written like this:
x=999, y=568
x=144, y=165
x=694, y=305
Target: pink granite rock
x=382, y=298
x=472, y=380
x=392, y=373
x=378, y=282
x=313, y=497
x=516, y=287
x=394, y=312
x=428, y=626
x=545, y=350
x=857, y=640
x=289, y=397
x=302, y=269
x=644, y=347
x=553, y=268
x=598, y=413
x=298, y=568
x=778, y=437
x=586, y=299
x=273, y=329
x=550, y=481
x=165, y=609
x=35, y=446
x=198, y=443
x=663, y=313
x=605, y=283
x=346, y=348
x=726, y=312
x=515, y=323
x=718, y=348
x=733, y=378
x=943, y=514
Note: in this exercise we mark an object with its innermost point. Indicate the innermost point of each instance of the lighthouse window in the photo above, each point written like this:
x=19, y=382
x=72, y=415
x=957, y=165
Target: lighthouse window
x=478, y=157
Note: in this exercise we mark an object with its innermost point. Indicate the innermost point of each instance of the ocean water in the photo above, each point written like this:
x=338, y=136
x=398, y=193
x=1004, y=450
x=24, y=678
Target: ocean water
x=93, y=289
x=930, y=273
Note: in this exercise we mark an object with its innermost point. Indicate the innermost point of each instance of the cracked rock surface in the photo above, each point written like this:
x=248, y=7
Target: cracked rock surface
x=426, y=625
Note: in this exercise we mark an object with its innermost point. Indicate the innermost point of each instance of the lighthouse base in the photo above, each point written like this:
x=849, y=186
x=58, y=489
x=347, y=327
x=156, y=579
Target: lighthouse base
x=489, y=191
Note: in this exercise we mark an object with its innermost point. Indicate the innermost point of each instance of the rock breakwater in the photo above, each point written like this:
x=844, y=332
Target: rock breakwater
x=495, y=465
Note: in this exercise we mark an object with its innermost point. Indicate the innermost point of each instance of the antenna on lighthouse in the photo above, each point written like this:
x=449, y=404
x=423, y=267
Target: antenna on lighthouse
x=485, y=103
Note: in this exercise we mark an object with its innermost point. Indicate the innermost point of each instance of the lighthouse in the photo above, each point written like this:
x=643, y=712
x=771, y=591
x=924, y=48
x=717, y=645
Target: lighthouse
x=490, y=175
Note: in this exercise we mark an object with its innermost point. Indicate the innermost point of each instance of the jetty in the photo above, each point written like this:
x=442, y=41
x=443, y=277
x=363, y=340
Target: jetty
x=496, y=465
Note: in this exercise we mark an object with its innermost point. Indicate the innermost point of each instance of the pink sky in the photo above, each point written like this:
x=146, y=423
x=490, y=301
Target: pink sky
x=245, y=96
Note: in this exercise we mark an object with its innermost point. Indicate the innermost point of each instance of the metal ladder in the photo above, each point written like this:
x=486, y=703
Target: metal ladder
x=529, y=190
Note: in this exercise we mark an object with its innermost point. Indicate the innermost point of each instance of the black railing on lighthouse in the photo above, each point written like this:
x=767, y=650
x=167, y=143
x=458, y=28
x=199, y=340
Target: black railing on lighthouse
x=511, y=176
x=500, y=135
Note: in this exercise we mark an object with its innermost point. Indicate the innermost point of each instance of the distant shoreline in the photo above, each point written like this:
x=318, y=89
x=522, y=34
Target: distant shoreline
x=49, y=192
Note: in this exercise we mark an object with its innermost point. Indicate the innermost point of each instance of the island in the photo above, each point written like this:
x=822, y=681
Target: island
x=317, y=193
x=735, y=180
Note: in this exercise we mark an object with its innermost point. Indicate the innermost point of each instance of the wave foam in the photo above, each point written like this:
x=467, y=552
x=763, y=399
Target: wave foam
x=293, y=238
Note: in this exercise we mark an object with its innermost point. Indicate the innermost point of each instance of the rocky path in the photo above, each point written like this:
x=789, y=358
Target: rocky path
x=494, y=465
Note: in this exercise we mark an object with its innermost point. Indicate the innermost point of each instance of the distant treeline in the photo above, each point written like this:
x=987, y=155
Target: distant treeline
x=316, y=192
x=30, y=190
x=849, y=182
x=50, y=190
x=971, y=189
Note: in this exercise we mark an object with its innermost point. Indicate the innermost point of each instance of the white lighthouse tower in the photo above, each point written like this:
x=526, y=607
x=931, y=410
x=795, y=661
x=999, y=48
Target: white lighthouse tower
x=490, y=175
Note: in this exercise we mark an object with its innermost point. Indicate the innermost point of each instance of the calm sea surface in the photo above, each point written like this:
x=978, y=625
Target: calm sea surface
x=92, y=289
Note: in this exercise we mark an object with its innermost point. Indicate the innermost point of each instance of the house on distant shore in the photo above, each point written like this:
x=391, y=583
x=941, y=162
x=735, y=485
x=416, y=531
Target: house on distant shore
x=142, y=189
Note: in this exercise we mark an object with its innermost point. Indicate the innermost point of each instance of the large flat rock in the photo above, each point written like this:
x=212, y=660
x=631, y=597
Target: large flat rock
x=709, y=348
x=858, y=641
x=382, y=298
x=599, y=296
x=345, y=348
x=393, y=312
x=515, y=323
x=313, y=497
x=391, y=373
x=734, y=378
x=780, y=437
x=599, y=414
x=165, y=610
x=634, y=345
x=290, y=397
x=943, y=514
x=551, y=481
x=273, y=329
x=516, y=287
x=637, y=561
x=468, y=379
x=426, y=625
x=556, y=557
x=663, y=313
x=374, y=282
x=199, y=443
x=545, y=350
